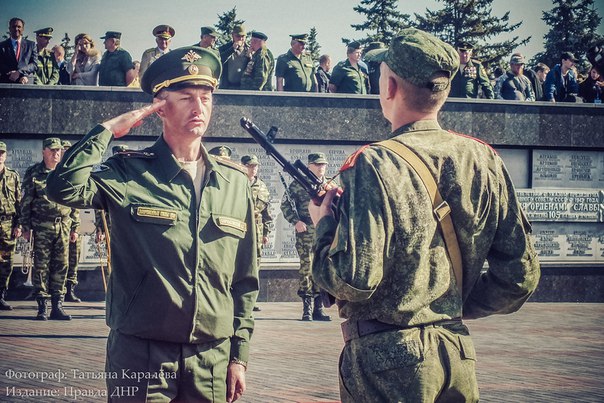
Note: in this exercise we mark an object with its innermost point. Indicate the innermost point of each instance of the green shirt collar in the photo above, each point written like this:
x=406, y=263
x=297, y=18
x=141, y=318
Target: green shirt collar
x=420, y=125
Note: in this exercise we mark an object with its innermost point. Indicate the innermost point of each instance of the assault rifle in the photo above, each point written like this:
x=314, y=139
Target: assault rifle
x=298, y=171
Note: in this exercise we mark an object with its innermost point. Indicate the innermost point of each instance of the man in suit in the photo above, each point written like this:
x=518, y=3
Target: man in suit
x=18, y=56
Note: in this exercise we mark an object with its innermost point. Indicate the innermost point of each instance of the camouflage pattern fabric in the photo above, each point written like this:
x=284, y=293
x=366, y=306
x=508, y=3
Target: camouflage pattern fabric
x=264, y=222
x=48, y=70
x=51, y=224
x=73, y=260
x=386, y=260
x=258, y=73
x=10, y=197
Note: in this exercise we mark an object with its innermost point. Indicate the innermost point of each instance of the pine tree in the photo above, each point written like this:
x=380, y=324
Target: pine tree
x=383, y=20
x=225, y=25
x=573, y=25
x=313, y=47
x=472, y=21
x=69, y=48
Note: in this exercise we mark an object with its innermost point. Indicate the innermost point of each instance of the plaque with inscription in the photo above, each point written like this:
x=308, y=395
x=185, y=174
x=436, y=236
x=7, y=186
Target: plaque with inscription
x=568, y=169
x=561, y=243
x=562, y=205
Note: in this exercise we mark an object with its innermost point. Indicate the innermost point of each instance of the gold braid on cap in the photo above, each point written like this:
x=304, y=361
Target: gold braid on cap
x=193, y=71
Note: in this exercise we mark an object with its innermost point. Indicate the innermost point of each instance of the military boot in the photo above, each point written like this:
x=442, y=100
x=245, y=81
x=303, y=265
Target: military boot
x=57, y=312
x=318, y=313
x=42, y=314
x=70, y=294
x=4, y=306
x=306, y=308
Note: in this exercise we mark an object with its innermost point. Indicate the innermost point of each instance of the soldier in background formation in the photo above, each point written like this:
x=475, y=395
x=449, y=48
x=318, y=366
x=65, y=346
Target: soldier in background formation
x=235, y=56
x=470, y=80
x=48, y=70
x=208, y=40
x=295, y=69
x=350, y=76
x=10, y=230
x=54, y=226
x=163, y=37
x=258, y=74
x=294, y=206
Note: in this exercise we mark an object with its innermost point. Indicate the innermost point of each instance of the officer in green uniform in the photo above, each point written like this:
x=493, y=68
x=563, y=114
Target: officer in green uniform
x=48, y=69
x=221, y=151
x=294, y=206
x=258, y=74
x=234, y=56
x=208, y=39
x=184, y=278
x=386, y=260
x=10, y=199
x=349, y=76
x=54, y=226
x=471, y=79
x=116, y=67
x=295, y=69
x=73, y=258
x=163, y=38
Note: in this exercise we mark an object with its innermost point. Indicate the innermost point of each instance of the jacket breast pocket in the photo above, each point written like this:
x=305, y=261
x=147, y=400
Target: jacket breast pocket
x=230, y=225
x=150, y=214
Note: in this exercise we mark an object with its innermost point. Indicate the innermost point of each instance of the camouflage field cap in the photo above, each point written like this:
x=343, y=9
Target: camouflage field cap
x=112, y=34
x=66, y=143
x=517, y=58
x=45, y=32
x=119, y=148
x=54, y=143
x=2, y=146
x=417, y=56
x=164, y=31
x=182, y=67
x=249, y=160
x=317, y=158
x=209, y=31
x=221, y=151
x=239, y=30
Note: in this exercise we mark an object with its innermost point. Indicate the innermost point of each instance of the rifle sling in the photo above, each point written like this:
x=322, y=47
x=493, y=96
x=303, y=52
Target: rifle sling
x=442, y=211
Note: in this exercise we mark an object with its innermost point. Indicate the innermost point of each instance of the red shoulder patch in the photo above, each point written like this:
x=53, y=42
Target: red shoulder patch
x=352, y=158
x=475, y=139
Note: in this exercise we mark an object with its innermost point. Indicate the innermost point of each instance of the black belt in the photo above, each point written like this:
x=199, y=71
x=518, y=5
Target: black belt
x=361, y=328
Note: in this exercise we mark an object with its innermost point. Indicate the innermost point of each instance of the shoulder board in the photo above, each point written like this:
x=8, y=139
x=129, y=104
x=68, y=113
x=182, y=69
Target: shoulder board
x=351, y=160
x=231, y=164
x=8, y=169
x=473, y=138
x=136, y=154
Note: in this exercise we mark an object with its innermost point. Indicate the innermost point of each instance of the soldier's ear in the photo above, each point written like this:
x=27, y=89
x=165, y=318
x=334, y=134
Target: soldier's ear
x=160, y=111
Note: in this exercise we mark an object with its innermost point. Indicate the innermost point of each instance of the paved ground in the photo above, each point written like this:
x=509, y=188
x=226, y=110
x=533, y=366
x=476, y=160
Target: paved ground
x=548, y=352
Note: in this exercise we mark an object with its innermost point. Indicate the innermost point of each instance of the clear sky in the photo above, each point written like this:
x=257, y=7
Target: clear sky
x=276, y=18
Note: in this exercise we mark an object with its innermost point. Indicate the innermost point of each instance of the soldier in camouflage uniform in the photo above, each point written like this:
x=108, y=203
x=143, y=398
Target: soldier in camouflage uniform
x=74, y=257
x=48, y=69
x=295, y=210
x=258, y=74
x=54, y=226
x=471, y=79
x=386, y=261
x=10, y=198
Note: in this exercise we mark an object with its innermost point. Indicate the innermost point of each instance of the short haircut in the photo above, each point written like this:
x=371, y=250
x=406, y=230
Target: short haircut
x=324, y=59
x=422, y=99
x=14, y=19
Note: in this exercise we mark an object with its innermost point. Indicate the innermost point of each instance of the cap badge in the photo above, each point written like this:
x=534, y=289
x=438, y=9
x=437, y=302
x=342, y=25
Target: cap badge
x=191, y=57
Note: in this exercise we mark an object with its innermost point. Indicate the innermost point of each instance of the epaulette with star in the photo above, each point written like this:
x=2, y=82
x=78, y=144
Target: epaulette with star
x=231, y=164
x=351, y=160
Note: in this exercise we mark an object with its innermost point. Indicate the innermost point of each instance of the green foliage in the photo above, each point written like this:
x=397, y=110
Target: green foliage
x=472, y=21
x=383, y=20
x=69, y=48
x=573, y=25
x=312, y=46
x=226, y=22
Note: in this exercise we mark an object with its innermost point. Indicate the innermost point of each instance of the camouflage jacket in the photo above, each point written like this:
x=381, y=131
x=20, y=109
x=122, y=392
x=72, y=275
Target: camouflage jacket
x=48, y=69
x=10, y=194
x=261, y=197
x=386, y=258
x=301, y=199
x=36, y=208
x=258, y=73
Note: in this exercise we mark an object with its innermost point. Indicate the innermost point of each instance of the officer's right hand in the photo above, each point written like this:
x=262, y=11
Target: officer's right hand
x=121, y=125
x=300, y=227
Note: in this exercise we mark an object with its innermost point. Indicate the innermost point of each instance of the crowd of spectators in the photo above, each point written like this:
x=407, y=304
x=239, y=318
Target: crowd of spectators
x=250, y=62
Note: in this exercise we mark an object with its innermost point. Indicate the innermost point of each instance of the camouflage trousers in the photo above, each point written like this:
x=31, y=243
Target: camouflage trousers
x=74, y=258
x=304, y=243
x=51, y=247
x=7, y=251
x=422, y=364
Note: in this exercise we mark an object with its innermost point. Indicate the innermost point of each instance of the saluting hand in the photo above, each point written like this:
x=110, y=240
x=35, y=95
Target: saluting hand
x=121, y=125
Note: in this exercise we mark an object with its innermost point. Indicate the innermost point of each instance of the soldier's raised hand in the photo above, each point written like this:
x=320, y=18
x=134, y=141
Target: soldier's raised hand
x=121, y=125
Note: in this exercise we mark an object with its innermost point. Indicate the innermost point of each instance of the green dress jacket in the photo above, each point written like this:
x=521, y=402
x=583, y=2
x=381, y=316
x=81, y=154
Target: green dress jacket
x=180, y=273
